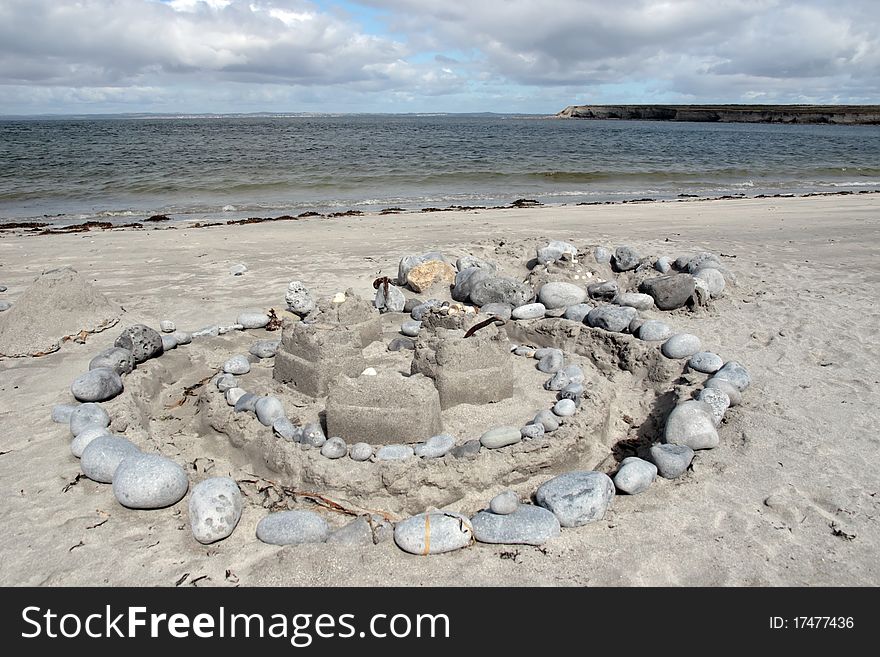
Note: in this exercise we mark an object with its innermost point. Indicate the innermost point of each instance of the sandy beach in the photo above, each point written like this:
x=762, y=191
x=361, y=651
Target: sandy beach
x=790, y=497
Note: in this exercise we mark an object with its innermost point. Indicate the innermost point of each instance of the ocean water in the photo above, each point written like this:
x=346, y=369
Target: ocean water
x=124, y=169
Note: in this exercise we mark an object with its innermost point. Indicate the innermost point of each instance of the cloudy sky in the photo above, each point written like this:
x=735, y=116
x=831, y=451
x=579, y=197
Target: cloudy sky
x=536, y=56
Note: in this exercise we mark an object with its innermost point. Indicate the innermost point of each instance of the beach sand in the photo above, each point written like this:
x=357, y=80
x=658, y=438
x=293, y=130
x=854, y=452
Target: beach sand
x=789, y=498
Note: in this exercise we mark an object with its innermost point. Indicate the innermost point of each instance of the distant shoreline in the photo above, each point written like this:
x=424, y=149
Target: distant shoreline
x=794, y=114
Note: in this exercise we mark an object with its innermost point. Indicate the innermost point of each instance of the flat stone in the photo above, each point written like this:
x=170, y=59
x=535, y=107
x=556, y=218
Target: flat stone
x=577, y=497
x=468, y=449
x=394, y=453
x=61, y=413
x=500, y=437
x=211, y=331
x=561, y=294
x=736, y=374
x=182, y=337
x=334, y=448
x=504, y=503
x=283, y=427
x=167, y=326
x=435, y=446
x=496, y=289
x=237, y=365
x=714, y=280
x=547, y=419
x=142, y=341
x=528, y=525
x=653, y=330
x=662, y=264
x=149, y=481
x=411, y=328
x=313, y=435
x=268, y=409
x=401, y=344
x=168, y=343
x=502, y=310
x=529, y=311
x=635, y=476
x=360, y=452
x=604, y=291
x=429, y=273
x=100, y=459
x=253, y=320
x=87, y=415
x=214, y=509
x=705, y=362
x=117, y=359
x=577, y=312
x=564, y=408
x=681, y=345
x=293, y=528
x=265, y=348
x=691, y=423
x=84, y=438
x=718, y=400
x=96, y=385
x=611, y=318
x=433, y=533
x=672, y=461
x=732, y=392
x=635, y=300
x=532, y=431
x=670, y=291
x=298, y=299
x=395, y=302
x=363, y=531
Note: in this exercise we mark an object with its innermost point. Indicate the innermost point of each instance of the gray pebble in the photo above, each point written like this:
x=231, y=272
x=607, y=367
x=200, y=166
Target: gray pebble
x=495, y=289
x=466, y=279
x=247, y=403
x=528, y=525
x=394, y=453
x=551, y=363
x=662, y=264
x=293, y=528
x=363, y=531
x=611, y=318
x=532, y=431
x=168, y=343
x=88, y=415
x=732, y=392
x=433, y=533
x=547, y=420
x=117, y=359
x=718, y=400
x=573, y=391
x=149, y=481
x=500, y=437
x=529, y=311
x=468, y=261
x=713, y=279
x=4, y=306
x=736, y=374
x=96, y=385
x=84, y=438
x=237, y=365
x=523, y=350
x=577, y=497
x=61, y=413
x=681, y=345
x=653, y=330
x=268, y=409
x=602, y=255
x=214, y=509
x=578, y=312
x=468, y=449
x=226, y=381
x=182, y=337
x=298, y=298
x=672, y=461
x=561, y=295
x=3, y=288
x=604, y=291
x=691, y=423
x=167, y=326
x=283, y=427
x=395, y=301
x=360, y=452
x=502, y=310
x=625, y=258
x=564, y=408
x=313, y=435
x=635, y=300
x=142, y=341
x=504, y=503
x=435, y=446
x=253, y=320
x=401, y=344
x=101, y=457
x=334, y=448
x=233, y=395
x=546, y=351
x=705, y=362
x=265, y=348
x=411, y=328
x=238, y=269
x=635, y=476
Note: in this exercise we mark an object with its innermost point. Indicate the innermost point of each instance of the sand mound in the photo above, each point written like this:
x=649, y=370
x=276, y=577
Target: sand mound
x=60, y=304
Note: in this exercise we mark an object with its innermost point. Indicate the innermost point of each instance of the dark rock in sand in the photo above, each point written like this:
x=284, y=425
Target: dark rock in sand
x=142, y=341
x=671, y=291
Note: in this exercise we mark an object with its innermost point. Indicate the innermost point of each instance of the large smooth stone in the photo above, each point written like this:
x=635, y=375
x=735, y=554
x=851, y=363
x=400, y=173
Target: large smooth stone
x=500, y=437
x=718, y=400
x=101, y=458
x=265, y=348
x=528, y=525
x=663, y=264
x=546, y=419
x=554, y=251
x=625, y=258
x=395, y=302
x=653, y=330
x=435, y=446
x=298, y=298
x=268, y=409
x=577, y=312
x=96, y=385
x=714, y=280
x=168, y=343
x=293, y=528
x=84, y=438
x=394, y=453
x=429, y=273
x=411, y=328
x=529, y=311
x=142, y=341
x=612, y=318
x=670, y=291
x=360, y=452
x=237, y=365
x=466, y=279
x=408, y=262
x=672, y=461
x=61, y=413
x=496, y=289
x=635, y=476
x=149, y=481
x=182, y=337
x=635, y=300
x=313, y=434
x=468, y=261
x=705, y=362
x=504, y=503
x=561, y=295
x=691, y=423
x=214, y=509
x=736, y=374
x=681, y=345
x=253, y=320
x=433, y=533
x=117, y=359
x=334, y=448
x=86, y=416
x=577, y=497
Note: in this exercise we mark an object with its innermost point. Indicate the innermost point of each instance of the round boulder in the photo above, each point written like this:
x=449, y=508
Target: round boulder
x=142, y=341
x=149, y=481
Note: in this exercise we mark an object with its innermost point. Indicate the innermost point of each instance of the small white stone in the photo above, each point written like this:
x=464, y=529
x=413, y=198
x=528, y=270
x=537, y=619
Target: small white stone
x=370, y=371
x=339, y=297
x=167, y=326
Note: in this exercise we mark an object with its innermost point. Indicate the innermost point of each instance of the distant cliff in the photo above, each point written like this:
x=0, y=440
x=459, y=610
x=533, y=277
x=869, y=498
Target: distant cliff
x=815, y=114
